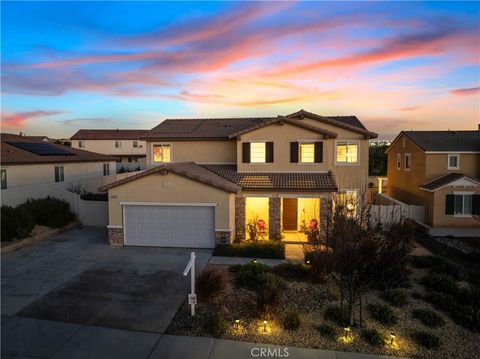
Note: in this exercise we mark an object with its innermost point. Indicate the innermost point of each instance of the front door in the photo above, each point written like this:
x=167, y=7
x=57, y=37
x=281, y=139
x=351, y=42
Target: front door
x=289, y=220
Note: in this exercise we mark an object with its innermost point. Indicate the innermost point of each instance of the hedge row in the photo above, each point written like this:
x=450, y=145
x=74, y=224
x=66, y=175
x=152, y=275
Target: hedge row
x=261, y=249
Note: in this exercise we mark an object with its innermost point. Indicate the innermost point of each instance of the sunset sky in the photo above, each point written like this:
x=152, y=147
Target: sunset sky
x=395, y=65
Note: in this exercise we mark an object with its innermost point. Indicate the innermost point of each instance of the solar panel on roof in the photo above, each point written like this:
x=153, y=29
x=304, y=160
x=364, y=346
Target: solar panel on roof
x=42, y=149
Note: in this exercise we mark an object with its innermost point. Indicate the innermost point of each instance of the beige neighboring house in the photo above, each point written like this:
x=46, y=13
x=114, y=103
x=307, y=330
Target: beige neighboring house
x=439, y=170
x=127, y=145
x=207, y=178
x=31, y=161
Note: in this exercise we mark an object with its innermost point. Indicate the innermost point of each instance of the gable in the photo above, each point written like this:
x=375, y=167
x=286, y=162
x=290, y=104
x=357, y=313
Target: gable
x=283, y=131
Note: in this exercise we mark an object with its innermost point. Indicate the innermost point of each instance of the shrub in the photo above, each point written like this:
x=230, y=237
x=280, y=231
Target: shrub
x=260, y=249
x=440, y=283
x=426, y=340
x=372, y=337
x=50, y=212
x=327, y=331
x=216, y=325
x=16, y=223
x=249, y=275
x=291, y=320
x=425, y=261
x=333, y=314
x=382, y=314
x=437, y=265
x=210, y=284
x=417, y=295
x=428, y=317
x=292, y=271
x=89, y=196
x=268, y=292
x=321, y=264
x=396, y=297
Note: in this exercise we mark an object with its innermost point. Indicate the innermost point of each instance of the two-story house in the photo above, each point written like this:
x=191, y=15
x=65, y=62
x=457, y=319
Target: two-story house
x=439, y=170
x=208, y=178
x=127, y=145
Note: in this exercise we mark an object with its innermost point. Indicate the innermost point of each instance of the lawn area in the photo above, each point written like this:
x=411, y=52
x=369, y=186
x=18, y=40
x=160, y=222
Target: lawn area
x=435, y=314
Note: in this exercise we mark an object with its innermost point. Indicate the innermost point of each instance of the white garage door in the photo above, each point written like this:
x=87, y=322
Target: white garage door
x=169, y=226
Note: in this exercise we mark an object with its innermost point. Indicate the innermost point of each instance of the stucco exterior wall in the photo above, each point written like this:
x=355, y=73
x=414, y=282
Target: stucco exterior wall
x=437, y=165
x=440, y=219
x=202, y=152
x=172, y=188
x=107, y=147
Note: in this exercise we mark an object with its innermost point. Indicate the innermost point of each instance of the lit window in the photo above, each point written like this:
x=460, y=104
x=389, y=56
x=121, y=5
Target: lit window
x=4, y=178
x=463, y=204
x=135, y=144
x=399, y=161
x=59, y=174
x=106, y=169
x=408, y=161
x=161, y=153
x=257, y=152
x=347, y=152
x=453, y=162
x=307, y=152
x=118, y=144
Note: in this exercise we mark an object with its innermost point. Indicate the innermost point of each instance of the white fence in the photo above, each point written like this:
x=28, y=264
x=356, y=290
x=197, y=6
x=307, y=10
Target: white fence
x=386, y=210
x=133, y=166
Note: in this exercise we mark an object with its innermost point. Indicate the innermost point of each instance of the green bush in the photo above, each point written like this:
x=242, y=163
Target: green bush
x=372, y=337
x=249, y=275
x=428, y=317
x=327, y=331
x=260, y=249
x=50, y=212
x=321, y=264
x=17, y=223
x=333, y=314
x=291, y=320
x=292, y=271
x=396, y=297
x=440, y=282
x=211, y=283
x=426, y=340
x=268, y=292
x=437, y=265
x=216, y=325
x=382, y=314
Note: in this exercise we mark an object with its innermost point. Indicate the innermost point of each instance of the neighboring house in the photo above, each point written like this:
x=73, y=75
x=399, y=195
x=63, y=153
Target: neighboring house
x=126, y=145
x=28, y=161
x=208, y=178
x=440, y=170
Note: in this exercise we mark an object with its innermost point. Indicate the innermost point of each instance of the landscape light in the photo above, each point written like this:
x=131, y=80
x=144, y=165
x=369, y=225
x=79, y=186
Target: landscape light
x=392, y=336
x=237, y=324
x=308, y=262
x=346, y=330
x=254, y=261
x=264, y=325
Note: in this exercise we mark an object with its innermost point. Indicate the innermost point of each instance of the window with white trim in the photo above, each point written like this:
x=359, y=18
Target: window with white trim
x=408, y=161
x=258, y=152
x=307, y=152
x=162, y=153
x=463, y=204
x=399, y=161
x=453, y=162
x=135, y=144
x=347, y=152
x=106, y=169
x=118, y=144
x=59, y=174
x=81, y=144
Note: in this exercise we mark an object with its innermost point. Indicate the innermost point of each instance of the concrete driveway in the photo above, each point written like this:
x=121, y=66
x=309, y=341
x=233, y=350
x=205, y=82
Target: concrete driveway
x=77, y=277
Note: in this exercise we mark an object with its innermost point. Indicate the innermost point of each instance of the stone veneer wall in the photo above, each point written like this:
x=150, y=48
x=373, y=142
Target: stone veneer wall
x=239, y=218
x=115, y=236
x=274, y=212
x=222, y=237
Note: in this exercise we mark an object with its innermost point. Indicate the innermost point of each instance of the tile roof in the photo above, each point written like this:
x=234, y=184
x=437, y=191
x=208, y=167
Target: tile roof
x=186, y=169
x=227, y=128
x=13, y=155
x=451, y=141
x=111, y=134
x=306, y=182
x=445, y=180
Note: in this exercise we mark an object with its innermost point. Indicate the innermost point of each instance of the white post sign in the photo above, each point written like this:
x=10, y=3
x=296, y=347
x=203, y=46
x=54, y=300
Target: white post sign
x=192, y=297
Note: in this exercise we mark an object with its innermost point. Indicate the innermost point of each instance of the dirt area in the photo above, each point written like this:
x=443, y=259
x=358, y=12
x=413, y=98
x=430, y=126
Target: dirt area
x=310, y=300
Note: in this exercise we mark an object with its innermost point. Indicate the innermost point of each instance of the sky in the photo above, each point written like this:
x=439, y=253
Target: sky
x=395, y=65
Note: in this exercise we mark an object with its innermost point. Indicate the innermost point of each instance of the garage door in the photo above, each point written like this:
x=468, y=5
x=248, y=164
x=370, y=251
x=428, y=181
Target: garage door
x=169, y=226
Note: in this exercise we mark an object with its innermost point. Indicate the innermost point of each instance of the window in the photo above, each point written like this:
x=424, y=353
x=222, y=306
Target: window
x=132, y=159
x=106, y=169
x=347, y=152
x=258, y=152
x=161, y=153
x=81, y=144
x=135, y=144
x=399, y=161
x=59, y=174
x=4, y=178
x=463, y=204
x=118, y=144
x=408, y=161
x=307, y=152
x=453, y=162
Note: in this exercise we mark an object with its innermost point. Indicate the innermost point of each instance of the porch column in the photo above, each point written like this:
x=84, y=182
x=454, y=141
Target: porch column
x=274, y=227
x=326, y=214
x=239, y=218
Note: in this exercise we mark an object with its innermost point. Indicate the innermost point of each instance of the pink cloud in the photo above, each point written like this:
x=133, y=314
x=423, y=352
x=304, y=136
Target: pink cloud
x=466, y=91
x=411, y=108
x=18, y=119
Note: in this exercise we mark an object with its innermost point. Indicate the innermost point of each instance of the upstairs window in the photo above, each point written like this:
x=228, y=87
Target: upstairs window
x=347, y=152
x=258, y=152
x=135, y=144
x=4, y=179
x=408, y=161
x=118, y=144
x=307, y=152
x=399, y=161
x=81, y=144
x=453, y=162
x=106, y=169
x=162, y=153
x=59, y=174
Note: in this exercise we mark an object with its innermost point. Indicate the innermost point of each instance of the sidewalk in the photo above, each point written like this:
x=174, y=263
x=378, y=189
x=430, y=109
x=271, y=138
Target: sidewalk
x=26, y=337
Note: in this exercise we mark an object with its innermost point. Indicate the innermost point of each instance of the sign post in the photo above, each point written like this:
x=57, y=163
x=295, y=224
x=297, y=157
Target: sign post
x=192, y=297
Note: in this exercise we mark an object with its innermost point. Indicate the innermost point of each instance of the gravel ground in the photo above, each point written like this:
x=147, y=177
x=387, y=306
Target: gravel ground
x=310, y=300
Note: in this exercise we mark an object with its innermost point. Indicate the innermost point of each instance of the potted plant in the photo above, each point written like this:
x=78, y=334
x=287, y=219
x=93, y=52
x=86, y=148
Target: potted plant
x=312, y=231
